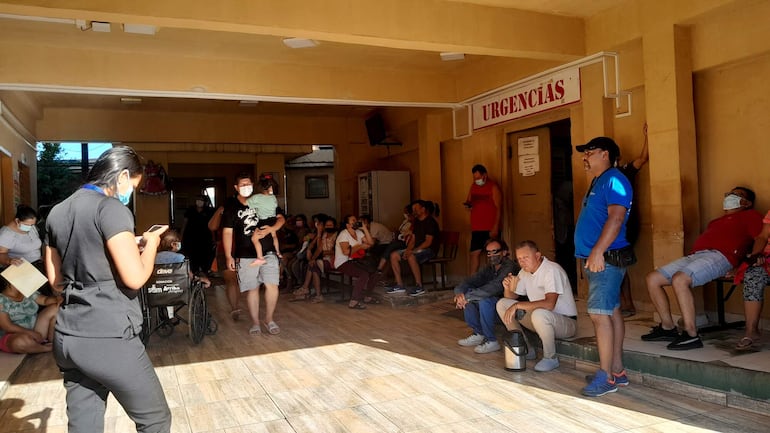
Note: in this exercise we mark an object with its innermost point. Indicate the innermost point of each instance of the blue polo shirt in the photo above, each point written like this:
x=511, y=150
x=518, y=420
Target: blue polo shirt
x=610, y=188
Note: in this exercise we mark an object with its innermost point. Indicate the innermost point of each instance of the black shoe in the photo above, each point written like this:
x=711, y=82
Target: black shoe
x=685, y=342
x=657, y=333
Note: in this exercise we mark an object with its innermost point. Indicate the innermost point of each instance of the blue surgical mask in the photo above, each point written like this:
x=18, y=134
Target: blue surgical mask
x=731, y=201
x=125, y=198
x=25, y=227
x=176, y=246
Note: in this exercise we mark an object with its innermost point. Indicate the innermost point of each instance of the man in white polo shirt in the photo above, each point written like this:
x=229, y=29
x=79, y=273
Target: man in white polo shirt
x=550, y=312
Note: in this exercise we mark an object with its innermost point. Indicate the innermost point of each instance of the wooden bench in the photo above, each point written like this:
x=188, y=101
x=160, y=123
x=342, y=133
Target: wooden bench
x=449, y=243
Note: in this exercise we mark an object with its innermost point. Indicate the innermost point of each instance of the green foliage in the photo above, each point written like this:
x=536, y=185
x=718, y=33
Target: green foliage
x=55, y=181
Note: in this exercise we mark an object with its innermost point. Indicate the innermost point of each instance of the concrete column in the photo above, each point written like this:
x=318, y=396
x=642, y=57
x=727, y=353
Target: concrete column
x=674, y=201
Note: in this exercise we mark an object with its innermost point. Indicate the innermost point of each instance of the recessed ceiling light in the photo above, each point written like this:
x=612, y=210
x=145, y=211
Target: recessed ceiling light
x=130, y=100
x=142, y=29
x=448, y=57
x=299, y=43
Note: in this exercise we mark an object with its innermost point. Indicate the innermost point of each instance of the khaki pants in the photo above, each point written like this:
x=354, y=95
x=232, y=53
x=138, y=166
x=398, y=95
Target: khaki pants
x=548, y=325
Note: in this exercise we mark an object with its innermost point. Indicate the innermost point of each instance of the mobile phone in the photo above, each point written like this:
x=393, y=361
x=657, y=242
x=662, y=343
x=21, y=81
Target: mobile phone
x=155, y=227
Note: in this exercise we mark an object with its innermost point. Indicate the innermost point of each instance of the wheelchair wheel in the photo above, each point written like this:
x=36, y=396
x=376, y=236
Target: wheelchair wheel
x=198, y=316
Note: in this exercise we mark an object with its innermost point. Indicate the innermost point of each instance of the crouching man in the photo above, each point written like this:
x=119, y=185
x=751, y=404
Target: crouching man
x=478, y=294
x=550, y=312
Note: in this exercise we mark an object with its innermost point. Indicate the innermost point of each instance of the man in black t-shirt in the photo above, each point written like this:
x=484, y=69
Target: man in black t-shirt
x=422, y=247
x=239, y=224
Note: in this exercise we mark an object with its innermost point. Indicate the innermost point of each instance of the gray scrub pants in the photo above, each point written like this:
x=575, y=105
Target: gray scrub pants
x=94, y=367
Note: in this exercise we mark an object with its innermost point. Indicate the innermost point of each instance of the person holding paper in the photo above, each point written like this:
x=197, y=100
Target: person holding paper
x=91, y=252
x=22, y=328
x=19, y=238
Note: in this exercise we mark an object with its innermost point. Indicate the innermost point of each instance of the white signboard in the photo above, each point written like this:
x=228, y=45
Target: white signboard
x=529, y=145
x=529, y=165
x=550, y=92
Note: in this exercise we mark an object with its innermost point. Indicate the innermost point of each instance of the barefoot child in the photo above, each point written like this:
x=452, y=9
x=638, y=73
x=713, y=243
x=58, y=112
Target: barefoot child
x=265, y=204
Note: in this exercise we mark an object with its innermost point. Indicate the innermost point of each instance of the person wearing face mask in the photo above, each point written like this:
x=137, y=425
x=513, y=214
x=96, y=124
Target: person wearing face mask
x=550, y=309
x=91, y=252
x=320, y=257
x=720, y=248
x=19, y=239
x=478, y=295
x=265, y=204
x=484, y=202
x=240, y=224
x=198, y=240
x=169, y=251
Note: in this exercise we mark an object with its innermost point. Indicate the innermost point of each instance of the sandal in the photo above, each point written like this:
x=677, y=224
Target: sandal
x=272, y=328
x=255, y=330
x=235, y=315
x=372, y=300
x=317, y=300
x=744, y=344
x=357, y=306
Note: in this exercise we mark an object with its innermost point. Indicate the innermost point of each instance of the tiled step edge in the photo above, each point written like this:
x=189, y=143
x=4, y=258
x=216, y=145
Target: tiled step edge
x=711, y=382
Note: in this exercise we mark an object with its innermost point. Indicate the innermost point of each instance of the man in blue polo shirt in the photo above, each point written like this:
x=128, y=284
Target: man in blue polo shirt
x=600, y=241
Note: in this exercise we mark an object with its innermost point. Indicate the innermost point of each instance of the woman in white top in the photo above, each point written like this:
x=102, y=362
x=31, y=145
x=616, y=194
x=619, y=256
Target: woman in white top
x=352, y=242
x=19, y=239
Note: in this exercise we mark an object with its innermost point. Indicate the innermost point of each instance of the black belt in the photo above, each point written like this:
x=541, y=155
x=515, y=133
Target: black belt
x=572, y=317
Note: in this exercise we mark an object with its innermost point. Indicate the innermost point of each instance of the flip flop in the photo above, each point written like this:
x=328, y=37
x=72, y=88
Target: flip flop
x=357, y=306
x=317, y=300
x=744, y=344
x=272, y=328
x=235, y=315
x=255, y=330
x=372, y=300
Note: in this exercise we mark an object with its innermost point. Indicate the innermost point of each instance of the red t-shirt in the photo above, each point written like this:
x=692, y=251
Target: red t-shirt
x=483, y=209
x=731, y=234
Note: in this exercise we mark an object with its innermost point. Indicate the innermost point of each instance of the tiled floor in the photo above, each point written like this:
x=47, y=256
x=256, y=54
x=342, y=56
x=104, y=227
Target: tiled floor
x=380, y=370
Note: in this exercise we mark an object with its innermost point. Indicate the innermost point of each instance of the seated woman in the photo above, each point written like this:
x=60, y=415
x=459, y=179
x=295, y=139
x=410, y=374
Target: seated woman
x=168, y=252
x=755, y=272
x=22, y=328
x=321, y=259
x=352, y=242
x=19, y=239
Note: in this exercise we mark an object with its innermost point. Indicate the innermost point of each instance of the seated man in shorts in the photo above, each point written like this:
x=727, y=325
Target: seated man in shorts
x=717, y=250
x=421, y=247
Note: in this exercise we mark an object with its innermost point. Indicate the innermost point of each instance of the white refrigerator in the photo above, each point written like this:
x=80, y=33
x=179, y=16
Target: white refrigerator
x=383, y=195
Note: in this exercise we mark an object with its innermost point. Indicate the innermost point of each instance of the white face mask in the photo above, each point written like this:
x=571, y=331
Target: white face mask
x=245, y=191
x=199, y=203
x=480, y=182
x=731, y=201
x=25, y=228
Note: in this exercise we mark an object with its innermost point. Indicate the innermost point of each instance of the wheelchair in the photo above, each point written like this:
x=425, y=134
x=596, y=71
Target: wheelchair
x=167, y=294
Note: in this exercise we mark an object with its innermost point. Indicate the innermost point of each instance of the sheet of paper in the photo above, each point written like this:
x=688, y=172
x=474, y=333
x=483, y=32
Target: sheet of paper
x=25, y=277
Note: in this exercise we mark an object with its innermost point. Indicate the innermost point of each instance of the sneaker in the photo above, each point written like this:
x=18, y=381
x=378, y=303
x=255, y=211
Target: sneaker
x=621, y=379
x=473, y=340
x=395, y=289
x=487, y=347
x=685, y=342
x=600, y=385
x=417, y=291
x=657, y=333
x=547, y=364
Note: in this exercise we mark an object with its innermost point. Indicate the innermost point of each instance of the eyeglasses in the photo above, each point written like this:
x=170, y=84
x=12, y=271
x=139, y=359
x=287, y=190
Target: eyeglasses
x=492, y=252
x=588, y=153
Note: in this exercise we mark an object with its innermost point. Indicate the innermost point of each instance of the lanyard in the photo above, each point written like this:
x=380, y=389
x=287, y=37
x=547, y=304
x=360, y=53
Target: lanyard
x=93, y=187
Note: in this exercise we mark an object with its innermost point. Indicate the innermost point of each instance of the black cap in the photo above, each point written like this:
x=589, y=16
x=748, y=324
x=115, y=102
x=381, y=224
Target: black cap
x=603, y=143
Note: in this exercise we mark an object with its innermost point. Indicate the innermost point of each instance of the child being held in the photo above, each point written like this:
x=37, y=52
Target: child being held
x=265, y=204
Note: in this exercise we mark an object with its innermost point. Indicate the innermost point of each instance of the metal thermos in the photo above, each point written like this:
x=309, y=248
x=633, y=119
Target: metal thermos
x=515, y=352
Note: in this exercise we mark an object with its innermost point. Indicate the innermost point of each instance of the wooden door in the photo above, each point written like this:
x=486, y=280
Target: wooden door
x=531, y=205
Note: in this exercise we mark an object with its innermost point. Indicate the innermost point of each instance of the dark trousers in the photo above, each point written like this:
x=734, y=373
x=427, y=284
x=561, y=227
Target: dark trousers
x=365, y=279
x=94, y=367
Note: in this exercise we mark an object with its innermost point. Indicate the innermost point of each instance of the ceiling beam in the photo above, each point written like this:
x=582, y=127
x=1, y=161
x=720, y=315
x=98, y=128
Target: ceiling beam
x=427, y=25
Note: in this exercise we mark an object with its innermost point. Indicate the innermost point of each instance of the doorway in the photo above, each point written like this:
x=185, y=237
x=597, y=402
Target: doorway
x=542, y=197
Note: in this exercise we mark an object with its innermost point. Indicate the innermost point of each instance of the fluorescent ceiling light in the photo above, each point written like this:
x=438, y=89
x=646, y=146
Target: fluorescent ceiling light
x=130, y=100
x=448, y=57
x=299, y=43
x=142, y=29
x=39, y=19
x=99, y=26
x=247, y=103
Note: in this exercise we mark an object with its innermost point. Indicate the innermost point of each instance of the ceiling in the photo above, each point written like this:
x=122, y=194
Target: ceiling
x=193, y=34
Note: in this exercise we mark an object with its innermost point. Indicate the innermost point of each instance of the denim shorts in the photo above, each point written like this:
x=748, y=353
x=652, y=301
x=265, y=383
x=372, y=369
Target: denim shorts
x=604, y=289
x=422, y=256
x=701, y=267
x=251, y=277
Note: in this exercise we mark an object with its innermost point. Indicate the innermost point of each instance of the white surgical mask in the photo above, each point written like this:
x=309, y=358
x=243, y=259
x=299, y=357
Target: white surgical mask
x=480, y=182
x=731, y=201
x=245, y=191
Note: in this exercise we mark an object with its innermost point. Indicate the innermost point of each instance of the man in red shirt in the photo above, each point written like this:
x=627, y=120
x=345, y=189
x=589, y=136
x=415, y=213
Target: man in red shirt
x=485, y=204
x=717, y=250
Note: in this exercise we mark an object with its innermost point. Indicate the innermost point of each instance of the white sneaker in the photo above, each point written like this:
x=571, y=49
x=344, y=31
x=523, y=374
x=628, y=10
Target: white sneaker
x=487, y=347
x=547, y=364
x=473, y=340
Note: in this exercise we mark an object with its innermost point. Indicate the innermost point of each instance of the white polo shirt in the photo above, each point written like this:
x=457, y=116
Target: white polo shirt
x=548, y=278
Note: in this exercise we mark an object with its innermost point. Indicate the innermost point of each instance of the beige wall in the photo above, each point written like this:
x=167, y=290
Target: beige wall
x=299, y=204
x=16, y=149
